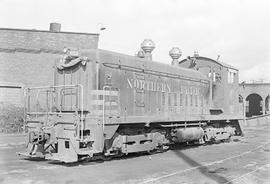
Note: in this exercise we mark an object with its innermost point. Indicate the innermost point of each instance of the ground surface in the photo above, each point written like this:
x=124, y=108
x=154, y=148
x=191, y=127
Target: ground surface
x=244, y=160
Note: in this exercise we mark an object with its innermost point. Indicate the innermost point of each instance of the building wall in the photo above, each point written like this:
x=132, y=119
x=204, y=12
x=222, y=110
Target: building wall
x=28, y=69
x=45, y=40
x=28, y=56
x=261, y=89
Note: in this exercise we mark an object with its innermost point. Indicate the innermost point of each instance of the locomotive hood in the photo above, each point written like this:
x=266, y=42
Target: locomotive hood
x=154, y=67
x=117, y=60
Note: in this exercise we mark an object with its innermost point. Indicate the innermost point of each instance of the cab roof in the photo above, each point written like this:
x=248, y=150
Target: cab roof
x=211, y=60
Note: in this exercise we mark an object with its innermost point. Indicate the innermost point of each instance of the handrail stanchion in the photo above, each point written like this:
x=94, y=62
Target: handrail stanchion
x=81, y=118
x=103, y=110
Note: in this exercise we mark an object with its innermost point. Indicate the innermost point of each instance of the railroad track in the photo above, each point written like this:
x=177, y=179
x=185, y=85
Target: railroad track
x=257, y=117
x=242, y=177
x=265, y=146
x=221, y=161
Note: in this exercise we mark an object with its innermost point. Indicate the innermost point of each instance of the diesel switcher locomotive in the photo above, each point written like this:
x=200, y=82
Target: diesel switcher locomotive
x=105, y=104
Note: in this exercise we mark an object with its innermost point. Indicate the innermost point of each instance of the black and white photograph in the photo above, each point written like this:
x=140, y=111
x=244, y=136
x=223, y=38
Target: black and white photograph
x=134, y=92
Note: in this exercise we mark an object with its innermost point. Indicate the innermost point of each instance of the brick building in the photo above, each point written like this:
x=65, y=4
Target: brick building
x=27, y=57
x=256, y=98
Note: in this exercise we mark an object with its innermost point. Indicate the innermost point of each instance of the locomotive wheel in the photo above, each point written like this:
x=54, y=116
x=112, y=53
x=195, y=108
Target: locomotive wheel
x=107, y=158
x=151, y=152
x=160, y=149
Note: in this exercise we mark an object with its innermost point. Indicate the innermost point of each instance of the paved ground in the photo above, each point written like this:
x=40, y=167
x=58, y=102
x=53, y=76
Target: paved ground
x=244, y=160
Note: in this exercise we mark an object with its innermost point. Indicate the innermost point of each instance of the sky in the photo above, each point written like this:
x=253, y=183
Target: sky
x=237, y=30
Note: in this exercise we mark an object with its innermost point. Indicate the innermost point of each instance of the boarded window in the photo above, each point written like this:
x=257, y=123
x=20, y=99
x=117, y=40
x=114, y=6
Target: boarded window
x=11, y=94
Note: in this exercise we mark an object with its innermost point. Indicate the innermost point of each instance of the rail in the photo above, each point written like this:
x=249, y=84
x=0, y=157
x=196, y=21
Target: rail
x=259, y=116
x=207, y=164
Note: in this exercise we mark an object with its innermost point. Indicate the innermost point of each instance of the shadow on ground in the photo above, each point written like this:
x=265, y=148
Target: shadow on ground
x=211, y=174
x=99, y=160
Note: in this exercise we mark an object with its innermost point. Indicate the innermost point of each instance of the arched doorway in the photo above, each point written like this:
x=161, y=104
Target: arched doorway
x=267, y=105
x=254, y=105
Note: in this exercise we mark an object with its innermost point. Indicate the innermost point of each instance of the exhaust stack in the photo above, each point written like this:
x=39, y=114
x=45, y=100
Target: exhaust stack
x=148, y=46
x=175, y=54
x=55, y=27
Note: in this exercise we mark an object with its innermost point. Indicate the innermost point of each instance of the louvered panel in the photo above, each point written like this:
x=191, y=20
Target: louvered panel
x=111, y=104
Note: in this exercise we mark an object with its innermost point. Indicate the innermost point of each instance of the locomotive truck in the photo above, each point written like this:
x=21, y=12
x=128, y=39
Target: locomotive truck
x=105, y=104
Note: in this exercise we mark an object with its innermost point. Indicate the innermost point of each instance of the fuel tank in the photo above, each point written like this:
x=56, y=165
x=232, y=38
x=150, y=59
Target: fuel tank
x=187, y=134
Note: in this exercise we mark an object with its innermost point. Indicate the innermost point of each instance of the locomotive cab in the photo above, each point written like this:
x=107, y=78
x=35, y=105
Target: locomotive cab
x=223, y=89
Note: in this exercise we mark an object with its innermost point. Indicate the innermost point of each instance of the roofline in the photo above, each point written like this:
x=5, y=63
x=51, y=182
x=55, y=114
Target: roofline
x=225, y=65
x=46, y=31
x=10, y=84
x=199, y=57
x=250, y=84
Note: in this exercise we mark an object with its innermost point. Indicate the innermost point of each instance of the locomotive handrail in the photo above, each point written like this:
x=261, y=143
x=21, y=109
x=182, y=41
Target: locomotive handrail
x=58, y=86
x=62, y=91
x=61, y=86
x=103, y=108
x=153, y=72
x=185, y=125
x=37, y=96
x=48, y=113
x=50, y=88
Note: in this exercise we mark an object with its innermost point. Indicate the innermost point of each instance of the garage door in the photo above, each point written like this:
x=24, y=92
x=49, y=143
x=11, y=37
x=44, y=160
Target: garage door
x=11, y=94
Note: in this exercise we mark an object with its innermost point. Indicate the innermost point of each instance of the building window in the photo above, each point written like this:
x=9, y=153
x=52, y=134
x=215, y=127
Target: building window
x=231, y=76
x=214, y=77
